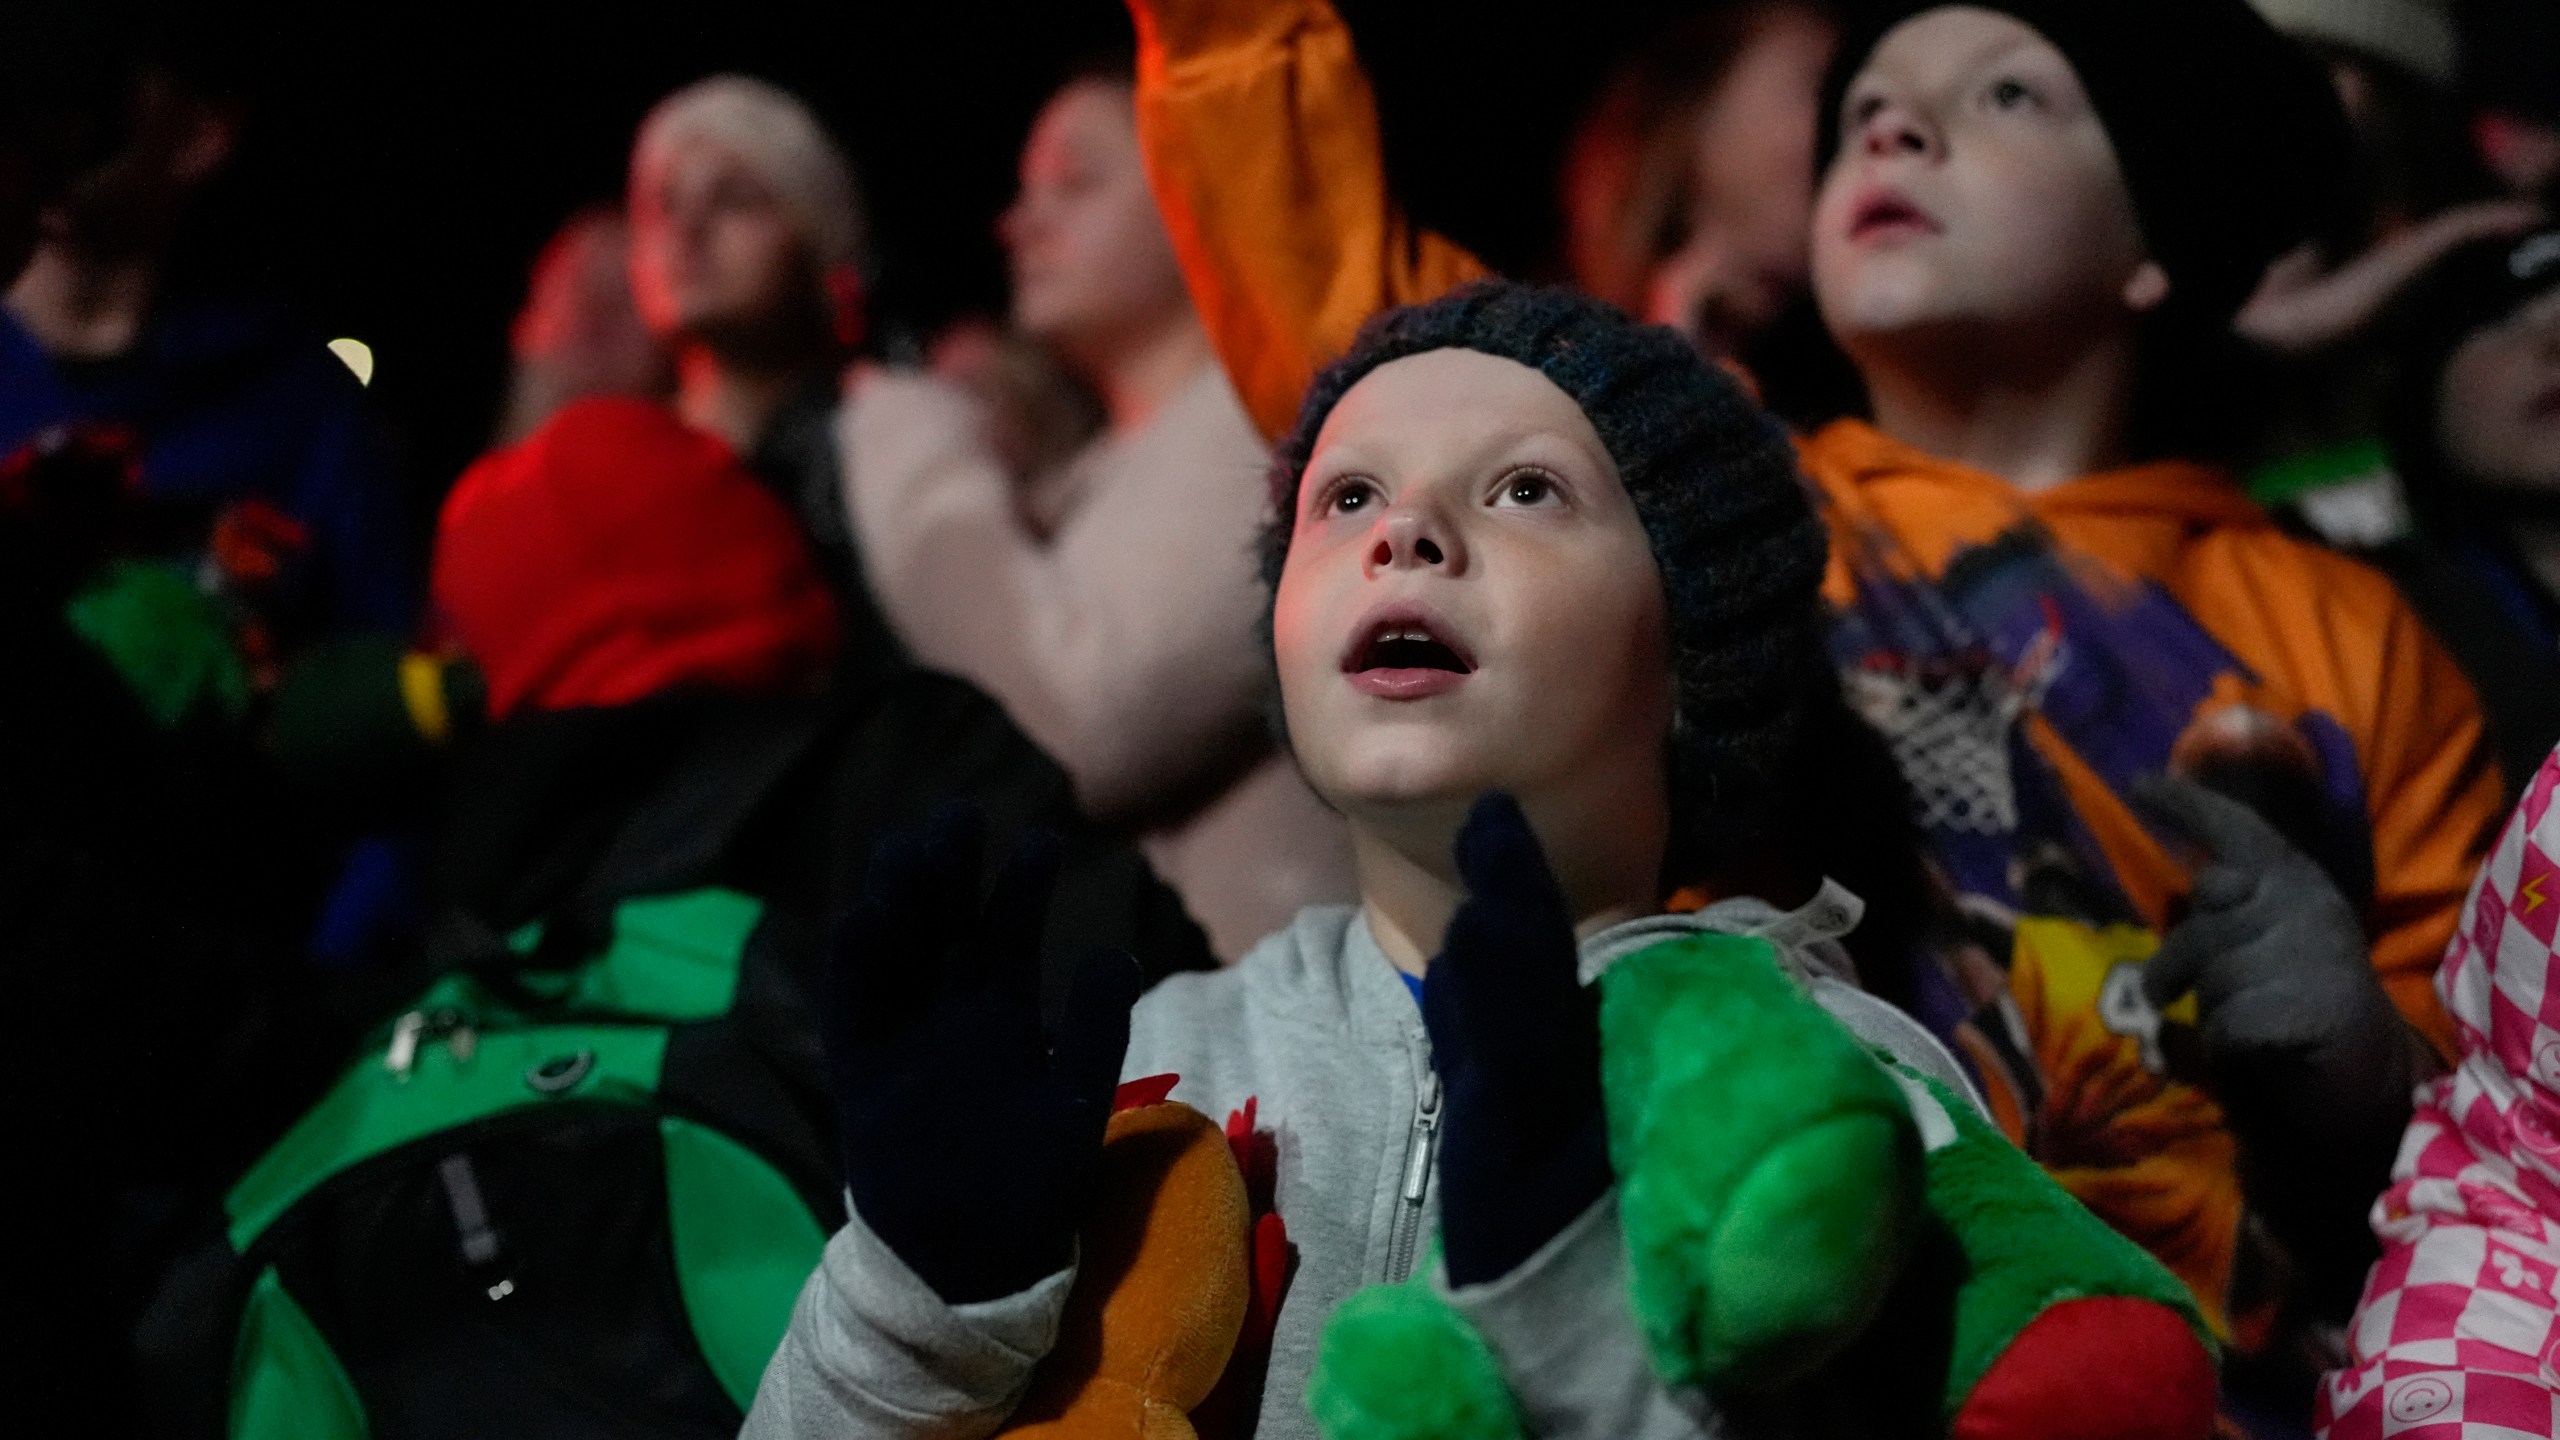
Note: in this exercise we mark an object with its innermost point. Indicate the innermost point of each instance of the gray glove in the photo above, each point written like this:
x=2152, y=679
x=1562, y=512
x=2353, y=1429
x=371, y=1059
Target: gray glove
x=2302, y=1049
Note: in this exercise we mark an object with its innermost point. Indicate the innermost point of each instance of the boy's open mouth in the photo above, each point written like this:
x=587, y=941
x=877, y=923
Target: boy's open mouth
x=1882, y=212
x=1405, y=655
x=1405, y=644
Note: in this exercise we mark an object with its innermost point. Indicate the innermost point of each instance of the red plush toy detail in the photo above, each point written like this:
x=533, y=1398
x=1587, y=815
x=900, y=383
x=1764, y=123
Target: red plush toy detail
x=2111, y=1367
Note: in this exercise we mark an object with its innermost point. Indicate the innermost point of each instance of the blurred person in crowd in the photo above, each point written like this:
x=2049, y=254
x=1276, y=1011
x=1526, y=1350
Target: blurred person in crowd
x=729, y=297
x=2315, y=451
x=643, y=607
x=657, y=638
x=749, y=253
x=568, y=587
x=580, y=331
x=2474, y=426
x=1688, y=189
x=366, y=720
x=260, y=467
x=156, y=894
x=1106, y=601
x=2036, y=224
x=363, y=720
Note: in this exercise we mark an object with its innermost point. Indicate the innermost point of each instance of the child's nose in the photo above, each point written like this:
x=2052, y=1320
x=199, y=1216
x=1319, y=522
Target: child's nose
x=1412, y=539
x=1895, y=129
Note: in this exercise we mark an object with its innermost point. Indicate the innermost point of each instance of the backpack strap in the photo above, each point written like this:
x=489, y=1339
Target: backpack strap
x=671, y=840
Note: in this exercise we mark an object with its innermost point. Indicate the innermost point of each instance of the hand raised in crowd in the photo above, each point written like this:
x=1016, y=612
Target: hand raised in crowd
x=970, y=1139
x=2296, y=1028
x=1516, y=1038
x=2303, y=307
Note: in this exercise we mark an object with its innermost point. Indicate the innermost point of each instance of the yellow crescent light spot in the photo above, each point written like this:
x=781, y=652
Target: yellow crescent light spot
x=2533, y=896
x=358, y=357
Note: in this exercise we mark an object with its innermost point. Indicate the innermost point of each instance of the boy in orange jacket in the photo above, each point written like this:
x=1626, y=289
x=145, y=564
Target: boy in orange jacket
x=2033, y=227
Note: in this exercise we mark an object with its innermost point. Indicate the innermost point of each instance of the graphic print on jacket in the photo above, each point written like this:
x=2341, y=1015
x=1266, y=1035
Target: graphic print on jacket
x=2025, y=690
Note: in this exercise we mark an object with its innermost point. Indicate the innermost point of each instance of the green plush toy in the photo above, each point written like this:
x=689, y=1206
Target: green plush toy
x=1798, y=1207
x=1744, y=1123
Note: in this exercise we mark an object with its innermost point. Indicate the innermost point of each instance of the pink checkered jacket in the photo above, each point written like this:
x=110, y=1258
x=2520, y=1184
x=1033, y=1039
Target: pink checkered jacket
x=2457, y=1336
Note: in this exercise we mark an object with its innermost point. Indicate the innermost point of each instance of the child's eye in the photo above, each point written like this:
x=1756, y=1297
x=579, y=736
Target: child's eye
x=1528, y=489
x=1862, y=109
x=1348, y=496
x=2011, y=94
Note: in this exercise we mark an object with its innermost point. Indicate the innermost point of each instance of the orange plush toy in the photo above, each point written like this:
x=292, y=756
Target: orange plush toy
x=1162, y=1289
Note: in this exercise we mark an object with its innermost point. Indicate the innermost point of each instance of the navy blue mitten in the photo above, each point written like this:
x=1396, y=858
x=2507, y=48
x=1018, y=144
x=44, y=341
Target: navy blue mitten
x=970, y=1139
x=1516, y=1037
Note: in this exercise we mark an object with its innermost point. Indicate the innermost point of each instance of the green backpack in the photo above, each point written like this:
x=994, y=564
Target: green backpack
x=552, y=1198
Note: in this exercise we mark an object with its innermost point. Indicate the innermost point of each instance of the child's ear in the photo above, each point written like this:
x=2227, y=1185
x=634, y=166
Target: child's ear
x=2147, y=288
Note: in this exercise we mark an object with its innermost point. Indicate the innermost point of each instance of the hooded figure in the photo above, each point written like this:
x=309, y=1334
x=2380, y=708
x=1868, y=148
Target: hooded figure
x=2455, y=1333
x=2476, y=442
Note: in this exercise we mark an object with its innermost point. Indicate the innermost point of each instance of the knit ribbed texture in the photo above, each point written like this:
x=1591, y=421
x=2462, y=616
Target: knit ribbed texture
x=1714, y=482
x=781, y=140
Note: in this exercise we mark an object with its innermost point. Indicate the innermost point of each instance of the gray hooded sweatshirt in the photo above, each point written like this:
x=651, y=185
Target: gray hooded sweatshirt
x=1318, y=1029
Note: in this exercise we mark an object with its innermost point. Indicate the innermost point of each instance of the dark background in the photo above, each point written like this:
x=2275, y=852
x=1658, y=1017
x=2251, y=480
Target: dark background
x=405, y=163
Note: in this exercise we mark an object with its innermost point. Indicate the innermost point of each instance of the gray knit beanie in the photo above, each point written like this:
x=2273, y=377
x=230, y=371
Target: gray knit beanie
x=1715, y=485
x=782, y=140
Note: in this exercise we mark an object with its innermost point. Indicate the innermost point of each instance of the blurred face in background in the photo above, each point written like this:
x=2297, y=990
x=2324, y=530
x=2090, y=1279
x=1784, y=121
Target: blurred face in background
x=1975, y=196
x=579, y=316
x=1092, y=269
x=580, y=331
x=2498, y=412
x=716, y=256
x=1751, y=187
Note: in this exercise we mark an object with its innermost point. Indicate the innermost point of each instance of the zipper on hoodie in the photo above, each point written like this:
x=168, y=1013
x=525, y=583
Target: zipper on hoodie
x=1420, y=1144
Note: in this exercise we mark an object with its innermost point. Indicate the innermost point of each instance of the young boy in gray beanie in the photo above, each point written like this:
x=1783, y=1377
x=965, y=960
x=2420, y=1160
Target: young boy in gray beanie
x=1523, y=546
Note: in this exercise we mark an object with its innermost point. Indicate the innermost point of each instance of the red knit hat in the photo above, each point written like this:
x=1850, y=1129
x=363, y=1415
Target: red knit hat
x=615, y=554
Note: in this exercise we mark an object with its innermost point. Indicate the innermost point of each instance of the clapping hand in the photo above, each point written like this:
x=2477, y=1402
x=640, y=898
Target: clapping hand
x=970, y=1139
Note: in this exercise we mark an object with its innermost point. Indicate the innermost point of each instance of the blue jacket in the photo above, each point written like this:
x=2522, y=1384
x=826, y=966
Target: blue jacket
x=232, y=402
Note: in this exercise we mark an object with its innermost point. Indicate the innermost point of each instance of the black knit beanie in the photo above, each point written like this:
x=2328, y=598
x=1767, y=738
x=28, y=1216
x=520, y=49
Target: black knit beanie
x=2231, y=141
x=1714, y=483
